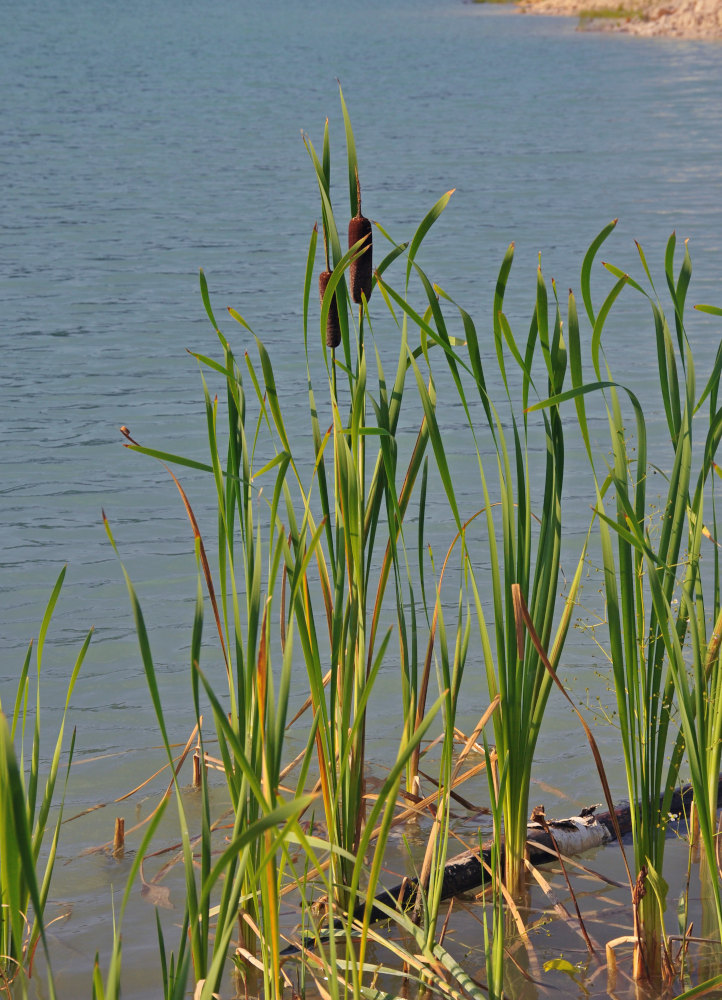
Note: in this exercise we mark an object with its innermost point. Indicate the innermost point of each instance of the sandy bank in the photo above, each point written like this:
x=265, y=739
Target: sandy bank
x=694, y=19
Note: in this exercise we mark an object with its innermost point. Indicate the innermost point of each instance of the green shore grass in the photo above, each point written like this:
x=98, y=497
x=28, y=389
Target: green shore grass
x=620, y=12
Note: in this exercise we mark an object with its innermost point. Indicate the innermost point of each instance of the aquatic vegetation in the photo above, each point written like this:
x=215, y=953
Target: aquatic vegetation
x=320, y=578
x=28, y=838
x=518, y=555
x=654, y=589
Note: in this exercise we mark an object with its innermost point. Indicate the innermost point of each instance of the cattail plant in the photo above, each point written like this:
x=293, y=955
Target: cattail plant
x=361, y=270
x=656, y=618
x=517, y=554
x=353, y=507
x=328, y=539
x=333, y=327
x=31, y=814
x=333, y=322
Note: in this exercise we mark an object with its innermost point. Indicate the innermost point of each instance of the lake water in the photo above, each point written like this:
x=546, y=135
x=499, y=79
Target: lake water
x=141, y=141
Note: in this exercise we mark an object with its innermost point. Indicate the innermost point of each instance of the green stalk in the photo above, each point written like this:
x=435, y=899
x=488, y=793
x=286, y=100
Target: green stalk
x=650, y=644
x=252, y=845
x=25, y=805
x=514, y=556
x=494, y=935
x=351, y=516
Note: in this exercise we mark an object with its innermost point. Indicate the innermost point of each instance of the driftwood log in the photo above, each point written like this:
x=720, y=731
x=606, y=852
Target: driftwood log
x=465, y=872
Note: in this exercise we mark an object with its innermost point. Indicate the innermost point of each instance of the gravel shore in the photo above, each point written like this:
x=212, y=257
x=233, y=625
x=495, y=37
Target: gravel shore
x=694, y=19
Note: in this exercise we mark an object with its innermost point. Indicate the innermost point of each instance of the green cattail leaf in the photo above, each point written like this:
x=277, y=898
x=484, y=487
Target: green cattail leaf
x=678, y=289
x=424, y=327
x=166, y=456
x=282, y=458
x=207, y=299
x=443, y=337
x=685, y=276
x=701, y=989
x=426, y=224
x=391, y=256
x=501, y=282
x=387, y=299
x=50, y=607
x=308, y=281
x=498, y=307
x=47, y=799
x=600, y=321
x=326, y=157
x=404, y=754
x=213, y=365
x=428, y=404
x=18, y=845
x=145, y=650
x=587, y=265
x=712, y=387
x=542, y=312
x=510, y=340
x=558, y=350
x=336, y=255
x=572, y=394
x=328, y=218
x=272, y=394
x=669, y=263
x=577, y=374
x=472, y=341
x=239, y=319
x=617, y=272
x=350, y=155
x=21, y=693
x=644, y=265
x=667, y=368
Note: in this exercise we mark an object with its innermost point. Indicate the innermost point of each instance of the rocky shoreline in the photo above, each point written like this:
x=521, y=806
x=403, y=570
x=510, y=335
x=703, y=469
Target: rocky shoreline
x=700, y=20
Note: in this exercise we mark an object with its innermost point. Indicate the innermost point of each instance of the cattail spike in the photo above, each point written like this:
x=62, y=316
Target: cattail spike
x=333, y=326
x=361, y=270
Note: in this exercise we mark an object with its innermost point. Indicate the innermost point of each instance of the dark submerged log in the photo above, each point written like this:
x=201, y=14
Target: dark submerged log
x=465, y=872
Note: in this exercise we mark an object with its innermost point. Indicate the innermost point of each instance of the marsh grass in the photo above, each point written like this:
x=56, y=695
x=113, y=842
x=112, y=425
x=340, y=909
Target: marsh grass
x=30, y=812
x=331, y=552
x=518, y=555
x=271, y=529
x=246, y=867
x=317, y=573
x=654, y=590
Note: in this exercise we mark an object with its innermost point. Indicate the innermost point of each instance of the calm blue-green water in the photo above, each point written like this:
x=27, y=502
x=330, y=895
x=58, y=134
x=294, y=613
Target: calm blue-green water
x=141, y=141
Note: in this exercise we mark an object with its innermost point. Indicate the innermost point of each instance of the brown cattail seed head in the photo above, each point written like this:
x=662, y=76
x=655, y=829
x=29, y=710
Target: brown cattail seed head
x=333, y=327
x=361, y=269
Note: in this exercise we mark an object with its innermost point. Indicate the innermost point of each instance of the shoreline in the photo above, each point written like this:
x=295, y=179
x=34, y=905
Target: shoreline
x=696, y=20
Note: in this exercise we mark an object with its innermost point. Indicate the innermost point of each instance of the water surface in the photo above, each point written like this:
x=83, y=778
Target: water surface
x=143, y=141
